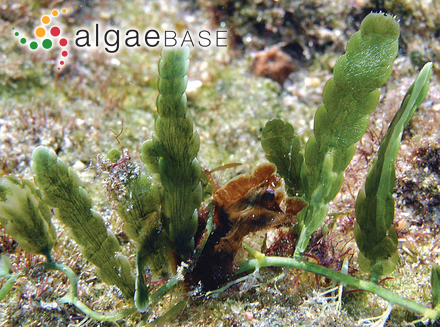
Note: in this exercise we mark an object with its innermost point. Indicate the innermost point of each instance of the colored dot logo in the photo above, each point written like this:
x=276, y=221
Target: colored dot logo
x=55, y=31
x=48, y=36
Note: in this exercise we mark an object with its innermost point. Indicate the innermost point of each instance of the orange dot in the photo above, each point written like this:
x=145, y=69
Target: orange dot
x=70, y=9
x=45, y=19
x=40, y=32
x=64, y=11
x=55, y=13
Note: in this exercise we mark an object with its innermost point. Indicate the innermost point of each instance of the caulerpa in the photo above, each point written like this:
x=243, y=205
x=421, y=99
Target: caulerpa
x=187, y=231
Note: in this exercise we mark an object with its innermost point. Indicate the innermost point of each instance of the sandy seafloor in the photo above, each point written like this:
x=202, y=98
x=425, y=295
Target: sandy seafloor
x=73, y=111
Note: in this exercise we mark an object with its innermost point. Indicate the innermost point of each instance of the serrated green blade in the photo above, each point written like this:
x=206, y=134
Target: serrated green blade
x=283, y=149
x=5, y=266
x=25, y=217
x=435, y=285
x=348, y=100
x=374, y=233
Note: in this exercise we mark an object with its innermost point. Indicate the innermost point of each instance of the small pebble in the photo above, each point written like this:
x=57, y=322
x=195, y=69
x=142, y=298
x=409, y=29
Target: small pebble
x=79, y=166
x=248, y=315
x=312, y=81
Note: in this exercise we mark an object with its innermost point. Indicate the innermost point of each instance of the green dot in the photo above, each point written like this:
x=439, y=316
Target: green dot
x=23, y=40
x=33, y=45
x=47, y=44
x=16, y=33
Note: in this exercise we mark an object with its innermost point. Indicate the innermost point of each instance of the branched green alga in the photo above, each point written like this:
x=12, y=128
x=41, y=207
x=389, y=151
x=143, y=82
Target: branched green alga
x=61, y=189
x=163, y=216
x=172, y=152
x=349, y=98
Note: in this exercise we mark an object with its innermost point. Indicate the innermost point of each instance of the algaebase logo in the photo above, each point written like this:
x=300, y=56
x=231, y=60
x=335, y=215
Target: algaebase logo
x=48, y=36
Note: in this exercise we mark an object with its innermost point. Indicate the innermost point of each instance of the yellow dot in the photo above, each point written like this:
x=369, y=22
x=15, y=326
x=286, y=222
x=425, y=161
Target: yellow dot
x=55, y=13
x=45, y=19
x=64, y=11
x=40, y=32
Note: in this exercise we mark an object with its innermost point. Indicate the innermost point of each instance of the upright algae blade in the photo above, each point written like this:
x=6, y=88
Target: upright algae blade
x=348, y=100
x=374, y=231
x=172, y=153
x=25, y=217
x=283, y=148
x=61, y=189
